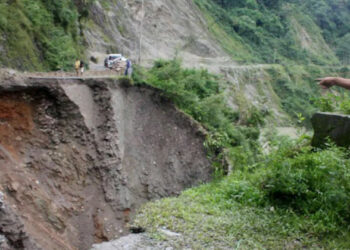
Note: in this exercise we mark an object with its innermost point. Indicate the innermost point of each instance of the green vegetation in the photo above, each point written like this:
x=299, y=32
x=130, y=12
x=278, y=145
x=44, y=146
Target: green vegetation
x=39, y=34
x=338, y=102
x=311, y=183
x=296, y=197
x=332, y=16
x=270, y=31
x=295, y=86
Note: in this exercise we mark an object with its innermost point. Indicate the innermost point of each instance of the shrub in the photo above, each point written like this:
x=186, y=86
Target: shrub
x=325, y=103
x=314, y=183
x=339, y=102
x=296, y=179
x=256, y=117
x=40, y=34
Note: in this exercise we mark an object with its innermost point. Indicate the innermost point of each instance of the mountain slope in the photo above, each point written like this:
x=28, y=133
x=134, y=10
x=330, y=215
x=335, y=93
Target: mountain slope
x=50, y=34
x=169, y=28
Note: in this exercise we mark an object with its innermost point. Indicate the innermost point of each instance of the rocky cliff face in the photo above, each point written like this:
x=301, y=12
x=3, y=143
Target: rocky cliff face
x=161, y=29
x=78, y=157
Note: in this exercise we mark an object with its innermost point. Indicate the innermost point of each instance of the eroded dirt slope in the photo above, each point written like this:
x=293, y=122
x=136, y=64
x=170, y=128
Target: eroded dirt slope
x=159, y=29
x=77, y=157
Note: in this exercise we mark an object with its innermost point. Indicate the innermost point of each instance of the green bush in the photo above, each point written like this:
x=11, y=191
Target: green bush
x=311, y=182
x=40, y=34
x=325, y=103
x=256, y=117
x=333, y=102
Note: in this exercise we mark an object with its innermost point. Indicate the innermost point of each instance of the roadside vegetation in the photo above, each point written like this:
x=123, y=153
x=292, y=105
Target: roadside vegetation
x=293, y=197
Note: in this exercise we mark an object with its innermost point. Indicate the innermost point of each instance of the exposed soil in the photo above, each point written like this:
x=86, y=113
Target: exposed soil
x=169, y=29
x=77, y=158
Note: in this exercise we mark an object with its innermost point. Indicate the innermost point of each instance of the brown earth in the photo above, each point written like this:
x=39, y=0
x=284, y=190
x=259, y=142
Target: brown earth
x=78, y=157
x=15, y=122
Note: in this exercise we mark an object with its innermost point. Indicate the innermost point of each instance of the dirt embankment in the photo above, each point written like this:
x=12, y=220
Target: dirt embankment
x=77, y=158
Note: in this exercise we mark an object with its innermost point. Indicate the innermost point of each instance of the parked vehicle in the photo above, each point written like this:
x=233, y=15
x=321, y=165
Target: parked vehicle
x=114, y=61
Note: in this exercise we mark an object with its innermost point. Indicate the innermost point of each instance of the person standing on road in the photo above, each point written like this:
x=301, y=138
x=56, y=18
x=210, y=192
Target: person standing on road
x=128, y=69
x=77, y=66
x=82, y=67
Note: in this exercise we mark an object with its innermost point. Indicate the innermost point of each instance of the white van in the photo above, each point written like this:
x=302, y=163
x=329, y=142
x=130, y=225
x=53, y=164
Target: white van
x=111, y=59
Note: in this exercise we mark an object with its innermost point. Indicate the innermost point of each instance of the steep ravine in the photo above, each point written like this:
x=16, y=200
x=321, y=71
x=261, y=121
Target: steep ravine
x=77, y=158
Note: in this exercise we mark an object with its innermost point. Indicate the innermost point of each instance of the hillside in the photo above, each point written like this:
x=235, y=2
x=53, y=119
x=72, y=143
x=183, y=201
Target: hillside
x=216, y=35
x=48, y=35
x=270, y=32
x=88, y=159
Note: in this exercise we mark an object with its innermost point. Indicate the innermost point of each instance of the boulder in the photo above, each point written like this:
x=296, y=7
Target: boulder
x=336, y=127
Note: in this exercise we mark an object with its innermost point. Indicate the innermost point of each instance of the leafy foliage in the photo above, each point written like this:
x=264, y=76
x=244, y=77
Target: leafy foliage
x=314, y=183
x=40, y=34
x=334, y=102
x=270, y=31
x=294, y=176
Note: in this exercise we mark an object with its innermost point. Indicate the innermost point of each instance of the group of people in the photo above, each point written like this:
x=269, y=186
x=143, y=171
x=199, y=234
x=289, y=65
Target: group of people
x=79, y=67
